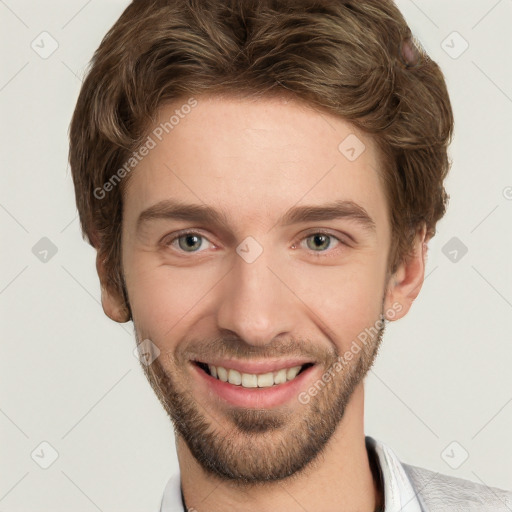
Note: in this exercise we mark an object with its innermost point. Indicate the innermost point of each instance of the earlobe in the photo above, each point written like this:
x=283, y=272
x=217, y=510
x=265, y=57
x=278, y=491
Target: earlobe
x=113, y=307
x=405, y=284
x=112, y=302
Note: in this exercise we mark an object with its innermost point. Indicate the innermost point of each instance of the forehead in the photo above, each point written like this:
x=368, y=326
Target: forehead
x=254, y=157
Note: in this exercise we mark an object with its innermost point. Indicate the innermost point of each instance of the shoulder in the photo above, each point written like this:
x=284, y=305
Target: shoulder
x=443, y=493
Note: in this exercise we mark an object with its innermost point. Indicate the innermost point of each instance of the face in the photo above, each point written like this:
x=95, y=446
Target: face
x=255, y=250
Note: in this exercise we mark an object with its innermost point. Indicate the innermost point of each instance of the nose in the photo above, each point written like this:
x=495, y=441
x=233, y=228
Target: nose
x=256, y=303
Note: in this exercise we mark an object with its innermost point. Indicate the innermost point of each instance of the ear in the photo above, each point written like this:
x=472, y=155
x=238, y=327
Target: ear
x=405, y=284
x=112, y=300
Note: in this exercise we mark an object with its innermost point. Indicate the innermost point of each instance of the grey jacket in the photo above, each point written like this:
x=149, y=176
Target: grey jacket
x=442, y=493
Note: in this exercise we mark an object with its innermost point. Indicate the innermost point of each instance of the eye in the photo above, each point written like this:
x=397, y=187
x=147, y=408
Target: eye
x=191, y=242
x=320, y=242
x=188, y=241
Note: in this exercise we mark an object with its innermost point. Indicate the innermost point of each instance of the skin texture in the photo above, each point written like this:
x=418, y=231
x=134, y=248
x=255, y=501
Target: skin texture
x=306, y=297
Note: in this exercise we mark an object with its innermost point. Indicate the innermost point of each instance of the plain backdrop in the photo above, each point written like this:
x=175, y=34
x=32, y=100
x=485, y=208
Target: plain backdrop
x=440, y=393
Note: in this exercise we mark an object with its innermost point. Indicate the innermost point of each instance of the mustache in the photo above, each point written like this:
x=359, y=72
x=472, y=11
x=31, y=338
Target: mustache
x=233, y=347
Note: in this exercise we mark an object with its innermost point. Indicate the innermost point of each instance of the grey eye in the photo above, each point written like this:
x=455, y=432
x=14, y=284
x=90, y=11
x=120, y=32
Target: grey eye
x=320, y=241
x=189, y=242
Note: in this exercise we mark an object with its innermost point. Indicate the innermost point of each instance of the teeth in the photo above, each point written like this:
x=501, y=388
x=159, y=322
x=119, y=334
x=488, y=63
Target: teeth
x=280, y=376
x=291, y=373
x=250, y=380
x=222, y=374
x=234, y=377
x=265, y=380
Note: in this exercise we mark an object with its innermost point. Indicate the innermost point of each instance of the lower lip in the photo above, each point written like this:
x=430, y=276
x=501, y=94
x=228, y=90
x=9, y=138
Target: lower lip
x=259, y=398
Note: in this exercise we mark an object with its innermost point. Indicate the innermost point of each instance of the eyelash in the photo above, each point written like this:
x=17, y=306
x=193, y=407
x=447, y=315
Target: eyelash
x=319, y=254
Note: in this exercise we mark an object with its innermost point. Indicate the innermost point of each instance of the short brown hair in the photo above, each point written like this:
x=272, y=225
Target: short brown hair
x=356, y=59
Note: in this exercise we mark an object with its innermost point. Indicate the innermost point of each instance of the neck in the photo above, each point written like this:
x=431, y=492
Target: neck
x=339, y=479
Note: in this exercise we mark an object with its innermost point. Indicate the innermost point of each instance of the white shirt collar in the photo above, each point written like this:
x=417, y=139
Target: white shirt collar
x=399, y=495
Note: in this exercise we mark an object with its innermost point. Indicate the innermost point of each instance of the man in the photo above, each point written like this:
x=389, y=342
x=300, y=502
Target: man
x=261, y=180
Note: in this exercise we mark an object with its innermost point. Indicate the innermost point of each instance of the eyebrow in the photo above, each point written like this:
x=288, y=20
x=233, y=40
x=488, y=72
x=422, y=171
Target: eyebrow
x=201, y=213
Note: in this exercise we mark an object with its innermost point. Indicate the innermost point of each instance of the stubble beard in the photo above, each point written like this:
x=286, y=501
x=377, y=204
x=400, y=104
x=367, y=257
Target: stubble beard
x=260, y=445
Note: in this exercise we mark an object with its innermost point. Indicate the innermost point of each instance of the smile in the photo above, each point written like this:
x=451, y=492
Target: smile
x=253, y=380
x=261, y=385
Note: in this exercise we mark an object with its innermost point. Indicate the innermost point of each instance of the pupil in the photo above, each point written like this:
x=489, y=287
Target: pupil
x=321, y=239
x=190, y=238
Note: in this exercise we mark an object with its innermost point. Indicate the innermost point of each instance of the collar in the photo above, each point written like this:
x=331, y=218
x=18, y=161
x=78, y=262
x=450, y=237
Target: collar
x=399, y=494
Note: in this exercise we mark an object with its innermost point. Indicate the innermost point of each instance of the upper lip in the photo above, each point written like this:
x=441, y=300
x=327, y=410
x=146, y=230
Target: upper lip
x=257, y=367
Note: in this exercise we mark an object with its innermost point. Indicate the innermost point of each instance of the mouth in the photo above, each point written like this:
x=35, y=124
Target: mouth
x=269, y=379
x=255, y=384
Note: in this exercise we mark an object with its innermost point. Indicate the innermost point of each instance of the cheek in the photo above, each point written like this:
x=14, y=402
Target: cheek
x=345, y=300
x=164, y=298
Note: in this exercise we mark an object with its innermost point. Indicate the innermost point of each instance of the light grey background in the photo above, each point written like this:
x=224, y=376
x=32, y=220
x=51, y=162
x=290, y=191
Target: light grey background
x=442, y=386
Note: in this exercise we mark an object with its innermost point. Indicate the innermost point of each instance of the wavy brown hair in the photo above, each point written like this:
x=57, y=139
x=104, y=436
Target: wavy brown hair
x=356, y=59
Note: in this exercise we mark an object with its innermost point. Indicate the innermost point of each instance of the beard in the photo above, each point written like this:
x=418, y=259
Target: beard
x=259, y=445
